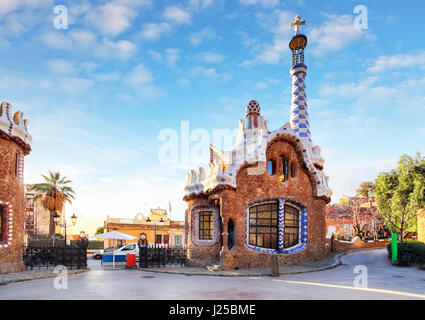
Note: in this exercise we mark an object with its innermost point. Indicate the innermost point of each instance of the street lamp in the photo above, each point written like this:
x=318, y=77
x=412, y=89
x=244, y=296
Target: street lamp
x=148, y=221
x=56, y=219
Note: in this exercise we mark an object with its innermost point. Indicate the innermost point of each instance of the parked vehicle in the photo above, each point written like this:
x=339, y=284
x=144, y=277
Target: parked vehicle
x=99, y=254
x=131, y=248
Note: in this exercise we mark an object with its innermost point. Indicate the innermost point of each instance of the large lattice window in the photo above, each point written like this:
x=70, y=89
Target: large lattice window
x=292, y=225
x=263, y=225
x=206, y=219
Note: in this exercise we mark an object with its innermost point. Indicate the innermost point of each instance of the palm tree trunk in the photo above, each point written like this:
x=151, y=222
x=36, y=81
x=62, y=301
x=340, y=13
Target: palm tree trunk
x=51, y=225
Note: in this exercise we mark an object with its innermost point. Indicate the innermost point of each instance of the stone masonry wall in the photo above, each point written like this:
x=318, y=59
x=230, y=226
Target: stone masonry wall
x=256, y=187
x=11, y=194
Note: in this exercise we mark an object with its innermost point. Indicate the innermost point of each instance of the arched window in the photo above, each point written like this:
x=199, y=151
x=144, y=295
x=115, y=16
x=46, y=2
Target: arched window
x=283, y=168
x=271, y=167
x=293, y=169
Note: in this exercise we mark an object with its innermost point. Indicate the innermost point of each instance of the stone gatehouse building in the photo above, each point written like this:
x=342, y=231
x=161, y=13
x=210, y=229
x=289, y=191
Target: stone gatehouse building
x=267, y=196
x=15, y=143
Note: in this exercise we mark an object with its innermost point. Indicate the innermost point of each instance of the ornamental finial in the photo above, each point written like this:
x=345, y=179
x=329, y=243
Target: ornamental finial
x=297, y=24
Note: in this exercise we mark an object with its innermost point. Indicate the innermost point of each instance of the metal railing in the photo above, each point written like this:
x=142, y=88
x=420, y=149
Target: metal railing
x=72, y=256
x=151, y=256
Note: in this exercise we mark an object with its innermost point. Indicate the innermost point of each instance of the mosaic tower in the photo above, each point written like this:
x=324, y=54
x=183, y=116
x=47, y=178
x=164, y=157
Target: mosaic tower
x=299, y=109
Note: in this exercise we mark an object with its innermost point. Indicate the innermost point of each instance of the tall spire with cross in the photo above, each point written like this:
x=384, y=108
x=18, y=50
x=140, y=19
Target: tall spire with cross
x=299, y=112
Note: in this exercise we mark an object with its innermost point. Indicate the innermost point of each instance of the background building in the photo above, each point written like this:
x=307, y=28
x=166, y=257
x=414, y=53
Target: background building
x=15, y=143
x=350, y=212
x=157, y=227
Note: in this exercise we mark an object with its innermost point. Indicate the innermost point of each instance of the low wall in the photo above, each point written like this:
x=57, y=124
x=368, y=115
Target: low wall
x=356, y=243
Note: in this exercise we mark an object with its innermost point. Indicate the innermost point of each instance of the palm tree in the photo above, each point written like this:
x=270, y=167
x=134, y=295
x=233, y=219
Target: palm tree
x=53, y=194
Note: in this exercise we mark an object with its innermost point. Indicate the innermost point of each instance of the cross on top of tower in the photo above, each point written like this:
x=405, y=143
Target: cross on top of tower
x=297, y=24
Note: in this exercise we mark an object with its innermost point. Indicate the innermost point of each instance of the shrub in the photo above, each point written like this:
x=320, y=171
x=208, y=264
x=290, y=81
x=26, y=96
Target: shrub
x=411, y=252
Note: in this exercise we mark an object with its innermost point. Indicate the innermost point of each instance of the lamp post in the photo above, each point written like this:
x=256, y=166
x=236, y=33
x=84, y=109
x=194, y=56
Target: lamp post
x=148, y=221
x=56, y=218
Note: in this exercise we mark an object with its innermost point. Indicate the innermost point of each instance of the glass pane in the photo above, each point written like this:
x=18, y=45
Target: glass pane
x=264, y=215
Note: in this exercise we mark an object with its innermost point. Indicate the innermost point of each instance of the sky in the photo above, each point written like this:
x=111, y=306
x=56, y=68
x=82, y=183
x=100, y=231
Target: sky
x=106, y=84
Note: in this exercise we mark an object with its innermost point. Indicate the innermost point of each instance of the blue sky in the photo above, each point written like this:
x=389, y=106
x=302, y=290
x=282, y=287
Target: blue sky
x=99, y=93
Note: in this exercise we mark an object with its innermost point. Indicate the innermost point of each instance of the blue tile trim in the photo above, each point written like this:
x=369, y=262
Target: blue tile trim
x=303, y=235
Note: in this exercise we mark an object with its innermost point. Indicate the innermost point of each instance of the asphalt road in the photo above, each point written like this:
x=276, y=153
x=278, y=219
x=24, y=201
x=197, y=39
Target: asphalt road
x=383, y=282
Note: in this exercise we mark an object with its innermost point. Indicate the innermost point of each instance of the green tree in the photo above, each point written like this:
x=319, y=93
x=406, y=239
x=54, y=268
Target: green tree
x=100, y=230
x=53, y=193
x=365, y=190
x=401, y=193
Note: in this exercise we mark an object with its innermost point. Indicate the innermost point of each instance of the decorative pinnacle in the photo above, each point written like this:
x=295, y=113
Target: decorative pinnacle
x=297, y=24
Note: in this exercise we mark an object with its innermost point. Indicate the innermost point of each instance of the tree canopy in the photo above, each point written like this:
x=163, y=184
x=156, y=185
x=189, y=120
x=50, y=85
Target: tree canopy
x=53, y=193
x=400, y=193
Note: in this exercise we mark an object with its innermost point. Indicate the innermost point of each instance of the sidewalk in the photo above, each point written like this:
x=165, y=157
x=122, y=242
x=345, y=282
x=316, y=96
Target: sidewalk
x=33, y=275
x=331, y=261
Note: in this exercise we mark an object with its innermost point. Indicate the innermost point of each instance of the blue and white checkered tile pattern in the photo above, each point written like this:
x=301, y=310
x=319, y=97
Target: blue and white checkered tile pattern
x=303, y=235
x=299, y=113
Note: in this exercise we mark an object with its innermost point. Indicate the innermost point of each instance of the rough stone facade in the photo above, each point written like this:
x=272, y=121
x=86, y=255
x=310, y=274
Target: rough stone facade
x=265, y=197
x=12, y=201
x=233, y=202
x=14, y=145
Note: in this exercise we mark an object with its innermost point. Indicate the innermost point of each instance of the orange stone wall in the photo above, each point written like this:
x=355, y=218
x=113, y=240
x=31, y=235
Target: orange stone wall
x=250, y=188
x=12, y=196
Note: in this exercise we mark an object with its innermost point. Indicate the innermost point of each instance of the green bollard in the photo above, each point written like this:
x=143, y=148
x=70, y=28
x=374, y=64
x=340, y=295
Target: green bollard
x=394, y=248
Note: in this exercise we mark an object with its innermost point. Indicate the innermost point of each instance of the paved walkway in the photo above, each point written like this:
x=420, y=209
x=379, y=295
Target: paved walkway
x=384, y=281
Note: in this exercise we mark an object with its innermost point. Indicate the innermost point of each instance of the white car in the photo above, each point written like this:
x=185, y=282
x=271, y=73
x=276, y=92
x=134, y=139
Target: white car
x=131, y=248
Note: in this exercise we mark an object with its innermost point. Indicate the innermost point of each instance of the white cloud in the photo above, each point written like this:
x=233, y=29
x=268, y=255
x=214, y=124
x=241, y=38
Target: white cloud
x=56, y=40
x=111, y=19
x=198, y=37
x=211, y=57
x=177, y=14
x=336, y=33
x=399, y=61
x=265, y=3
x=60, y=66
x=200, y=4
x=7, y=6
x=122, y=49
x=154, y=31
x=74, y=85
x=139, y=76
x=209, y=73
x=172, y=56
x=83, y=38
x=271, y=53
x=86, y=40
